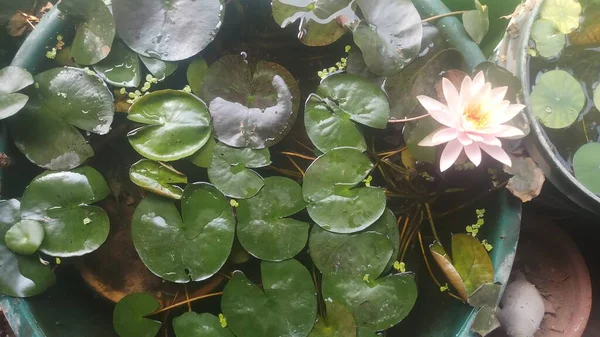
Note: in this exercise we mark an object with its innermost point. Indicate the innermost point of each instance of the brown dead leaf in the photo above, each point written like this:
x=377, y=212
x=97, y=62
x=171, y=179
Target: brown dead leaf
x=527, y=180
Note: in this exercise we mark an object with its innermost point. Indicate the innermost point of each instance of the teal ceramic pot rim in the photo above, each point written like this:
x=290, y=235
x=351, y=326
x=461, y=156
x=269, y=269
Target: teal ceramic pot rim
x=537, y=144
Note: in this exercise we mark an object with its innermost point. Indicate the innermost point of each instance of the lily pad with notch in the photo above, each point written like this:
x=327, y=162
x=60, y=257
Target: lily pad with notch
x=230, y=170
x=159, y=68
x=121, y=68
x=251, y=107
x=177, y=125
x=203, y=158
x=264, y=228
x=285, y=306
x=129, y=316
x=334, y=201
x=46, y=129
x=564, y=13
x=20, y=276
x=158, y=178
x=153, y=28
x=191, y=324
x=13, y=79
x=339, y=322
x=586, y=165
x=549, y=41
x=557, y=99
x=24, y=237
x=95, y=29
x=195, y=74
x=191, y=246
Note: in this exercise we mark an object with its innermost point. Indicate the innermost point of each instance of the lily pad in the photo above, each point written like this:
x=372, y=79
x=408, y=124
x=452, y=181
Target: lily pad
x=587, y=166
x=13, y=79
x=177, y=125
x=203, y=158
x=128, y=316
x=377, y=304
x=159, y=68
x=388, y=226
x=477, y=22
x=251, y=107
x=390, y=36
x=230, y=170
x=192, y=324
x=564, y=13
x=168, y=30
x=263, y=227
x=191, y=246
x=121, y=68
x=597, y=97
x=549, y=42
x=95, y=30
x=60, y=201
x=557, y=99
x=20, y=276
x=334, y=201
x=318, y=19
x=339, y=322
x=158, y=178
x=67, y=99
x=286, y=305
x=25, y=237
x=196, y=72
x=472, y=262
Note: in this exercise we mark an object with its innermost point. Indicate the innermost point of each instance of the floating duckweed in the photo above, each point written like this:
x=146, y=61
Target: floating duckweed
x=366, y=278
x=36, y=85
x=444, y=288
x=223, y=321
x=59, y=37
x=51, y=54
x=474, y=228
x=233, y=203
x=61, y=94
x=368, y=181
x=122, y=91
x=332, y=69
x=131, y=95
x=347, y=48
x=89, y=71
x=57, y=260
x=87, y=221
x=400, y=266
x=487, y=245
x=187, y=89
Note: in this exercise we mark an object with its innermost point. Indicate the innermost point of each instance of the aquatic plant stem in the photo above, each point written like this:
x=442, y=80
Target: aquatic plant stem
x=187, y=297
x=431, y=223
x=294, y=154
x=185, y=302
x=472, y=201
x=404, y=120
x=587, y=138
x=439, y=16
x=296, y=165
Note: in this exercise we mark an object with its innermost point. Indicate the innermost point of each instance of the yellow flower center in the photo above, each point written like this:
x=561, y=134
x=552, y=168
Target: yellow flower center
x=476, y=115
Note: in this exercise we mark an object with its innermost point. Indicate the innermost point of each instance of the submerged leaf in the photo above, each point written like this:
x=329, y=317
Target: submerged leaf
x=472, y=262
x=158, y=178
x=121, y=68
x=477, y=22
x=557, y=99
x=588, y=33
x=586, y=166
x=486, y=295
x=192, y=324
x=196, y=72
x=485, y=321
x=128, y=316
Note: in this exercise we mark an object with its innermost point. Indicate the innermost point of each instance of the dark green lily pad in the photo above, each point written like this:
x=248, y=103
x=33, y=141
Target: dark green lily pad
x=377, y=304
x=286, y=305
x=95, y=30
x=477, y=22
x=159, y=68
x=318, y=19
x=365, y=332
x=485, y=321
x=230, y=170
x=549, y=41
x=390, y=36
x=128, y=316
x=192, y=324
x=388, y=226
x=67, y=99
x=121, y=68
x=60, y=201
x=557, y=99
x=13, y=79
x=587, y=167
x=158, y=178
x=263, y=227
x=24, y=237
x=334, y=202
x=251, y=107
x=168, y=30
x=203, y=158
x=20, y=276
x=177, y=125
x=195, y=74
x=472, y=262
x=339, y=322
x=191, y=246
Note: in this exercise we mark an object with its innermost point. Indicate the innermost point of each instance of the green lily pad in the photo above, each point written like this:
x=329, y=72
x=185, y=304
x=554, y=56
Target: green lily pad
x=230, y=170
x=25, y=237
x=121, y=68
x=485, y=321
x=60, y=201
x=251, y=107
x=472, y=262
x=20, y=276
x=362, y=331
x=158, y=178
x=177, y=125
x=318, y=19
x=390, y=36
x=557, y=99
x=128, y=316
x=388, y=226
x=549, y=42
x=339, y=322
x=67, y=99
x=597, y=97
x=334, y=202
x=203, y=158
x=168, y=30
x=13, y=79
x=95, y=30
x=286, y=305
x=192, y=324
x=587, y=166
x=564, y=13
x=159, y=68
x=191, y=246
x=263, y=227
x=377, y=304
x=196, y=72
x=477, y=22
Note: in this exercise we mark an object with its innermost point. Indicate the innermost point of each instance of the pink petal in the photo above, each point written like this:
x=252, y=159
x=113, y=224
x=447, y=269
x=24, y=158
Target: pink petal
x=473, y=153
x=478, y=83
x=451, y=95
x=464, y=139
x=444, y=136
x=450, y=154
x=437, y=110
x=497, y=94
x=497, y=153
x=510, y=113
x=475, y=137
x=428, y=140
x=465, y=92
x=430, y=104
x=491, y=140
x=504, y=131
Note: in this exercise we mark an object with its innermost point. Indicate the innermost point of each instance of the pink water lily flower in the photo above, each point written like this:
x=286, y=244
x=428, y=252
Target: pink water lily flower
x=473, y=120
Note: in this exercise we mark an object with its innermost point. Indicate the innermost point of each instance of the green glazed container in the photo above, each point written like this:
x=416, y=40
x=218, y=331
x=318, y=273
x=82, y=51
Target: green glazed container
x=70, y=309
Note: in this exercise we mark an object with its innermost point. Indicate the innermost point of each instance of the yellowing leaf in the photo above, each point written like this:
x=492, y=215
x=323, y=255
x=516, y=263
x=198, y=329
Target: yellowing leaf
x=564, y=13
x=443, y=260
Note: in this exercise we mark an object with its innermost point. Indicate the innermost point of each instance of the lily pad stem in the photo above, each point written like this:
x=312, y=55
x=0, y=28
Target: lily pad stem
x=435, y=17
x=296, y=165
x=404, y=120
x=430, y=219
x=185, y=302
x=294, y=154
x=587, y=138
x=187, y=297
